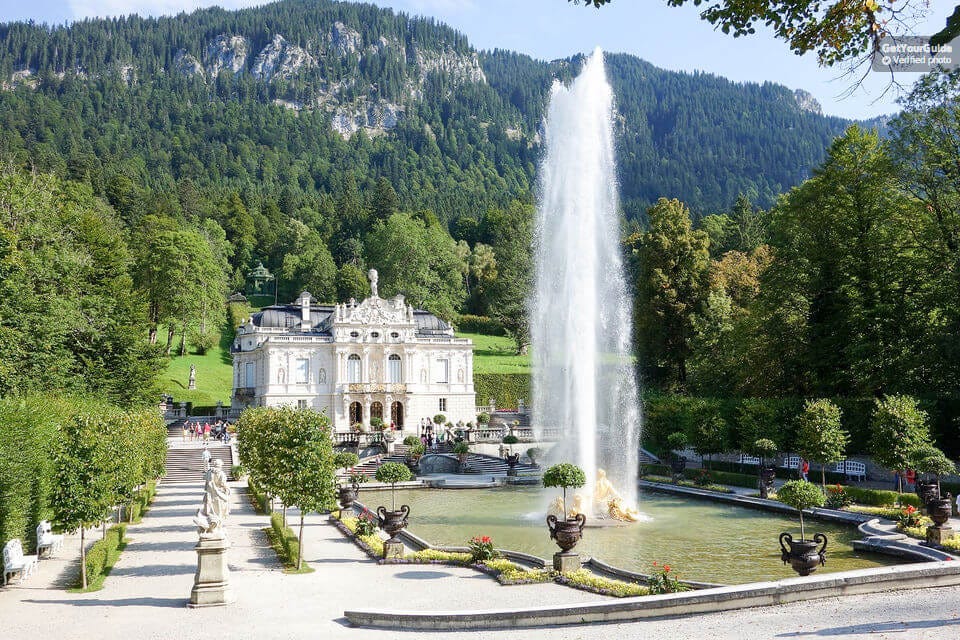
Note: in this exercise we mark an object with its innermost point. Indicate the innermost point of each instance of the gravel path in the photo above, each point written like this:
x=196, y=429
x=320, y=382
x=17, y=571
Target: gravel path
x=146, y=594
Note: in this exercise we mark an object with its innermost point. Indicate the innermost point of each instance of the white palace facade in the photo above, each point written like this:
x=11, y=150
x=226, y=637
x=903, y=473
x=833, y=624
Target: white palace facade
x=355, y=361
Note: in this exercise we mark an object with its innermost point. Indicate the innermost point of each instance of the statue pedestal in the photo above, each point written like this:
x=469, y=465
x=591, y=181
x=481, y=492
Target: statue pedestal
x=392, y=549
x=937, y=535
x=566, y=562
x=211, y=584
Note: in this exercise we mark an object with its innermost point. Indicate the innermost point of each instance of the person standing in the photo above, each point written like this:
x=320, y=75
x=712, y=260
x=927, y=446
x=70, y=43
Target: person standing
x=804, y=469
x=206, y=432
x=186, y=430
x=206, y=457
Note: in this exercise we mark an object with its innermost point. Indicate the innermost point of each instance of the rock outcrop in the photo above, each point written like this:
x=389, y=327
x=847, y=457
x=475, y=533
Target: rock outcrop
x=807, y=102
x=375, y=116
x=186, y=64
x=280, y=59
x=226, y=52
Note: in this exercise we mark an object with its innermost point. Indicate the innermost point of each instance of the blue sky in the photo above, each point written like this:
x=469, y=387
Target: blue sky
x=673, y=38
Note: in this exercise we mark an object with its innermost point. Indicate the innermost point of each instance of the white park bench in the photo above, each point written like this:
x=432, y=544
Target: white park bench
x=791, y=462
x=749, y=460
x=15, y=562
x=47, y=540
x=852, y=469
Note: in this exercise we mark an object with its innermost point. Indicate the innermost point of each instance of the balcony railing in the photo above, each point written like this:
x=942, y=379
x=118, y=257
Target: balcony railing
x=376, y=387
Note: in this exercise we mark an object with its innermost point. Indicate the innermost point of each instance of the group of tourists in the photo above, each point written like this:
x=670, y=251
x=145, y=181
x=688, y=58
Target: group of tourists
x=197, y=431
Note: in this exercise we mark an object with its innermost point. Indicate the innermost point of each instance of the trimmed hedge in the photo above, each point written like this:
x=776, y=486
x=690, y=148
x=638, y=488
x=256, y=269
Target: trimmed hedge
x=260, y=500
x=141, y=503
x=881, y=497
x=286, y=543
x=103, y=555
x=505, y=388
x=480, y=324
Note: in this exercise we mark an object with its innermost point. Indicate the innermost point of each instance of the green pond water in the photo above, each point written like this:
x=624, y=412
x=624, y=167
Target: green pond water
x=701, y=540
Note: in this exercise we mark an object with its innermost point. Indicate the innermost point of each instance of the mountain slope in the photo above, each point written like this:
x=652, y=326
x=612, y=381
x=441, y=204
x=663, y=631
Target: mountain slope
x=285, y=100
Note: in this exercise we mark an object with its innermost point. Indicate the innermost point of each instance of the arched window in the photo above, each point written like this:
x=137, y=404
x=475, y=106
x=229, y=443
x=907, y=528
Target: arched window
x=356, y=413
x=394, y=369
x=353, y=368
x=376, y=410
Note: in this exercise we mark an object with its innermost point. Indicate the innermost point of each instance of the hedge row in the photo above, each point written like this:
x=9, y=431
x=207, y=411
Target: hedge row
x=881, y=497
x=480, y=324
x=142, y=502
x=507, y=389
x=285, y=542
x=260, y=500
x=103, y=555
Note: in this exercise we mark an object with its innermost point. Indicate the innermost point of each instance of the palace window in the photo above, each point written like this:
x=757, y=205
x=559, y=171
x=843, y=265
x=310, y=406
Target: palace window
x=443, y=371
x=443, y=404
x=353, y=368
x=251, y=375
x=394, y=369
x=302, y=370
x=301, y=404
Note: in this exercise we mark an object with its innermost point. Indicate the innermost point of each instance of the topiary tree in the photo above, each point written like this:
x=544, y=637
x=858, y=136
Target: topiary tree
x=800, y=495
x=564, y=475
x=534, y=453
x=510, y=440
x=461, y=449
x=820, y=437
x=439, y=419
x=83, y=490
x=304, y=475
x=376, y=423
x=932, y=461
x=676, y=441
x=483, y=418
x=392, y=473
x=345, y=460
x=764, y=448
x=710, y=436
x=899, y=429
x=411, y=441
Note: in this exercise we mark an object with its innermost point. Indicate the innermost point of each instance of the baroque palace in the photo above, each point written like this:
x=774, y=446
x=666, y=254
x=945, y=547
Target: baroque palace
x=379, y=358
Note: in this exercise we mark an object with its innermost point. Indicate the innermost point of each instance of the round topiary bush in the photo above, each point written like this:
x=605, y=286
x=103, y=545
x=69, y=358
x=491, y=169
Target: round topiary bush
x=564, y=475
x=392, y=473
x=439, y=419
x=677, y=441
x=461, y=448
x=483, y=418
x=376, y=424
x=800, y=495
x=411, y=441
x=345, y=460
x=510, y=439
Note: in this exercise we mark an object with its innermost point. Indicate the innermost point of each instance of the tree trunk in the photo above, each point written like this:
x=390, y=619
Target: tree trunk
x=300, y=545
x=183, y=339
x=153, y=334
x=823, y=478
x=801, y=526
x=170, y=333
x=284, y=515
x=83, y=560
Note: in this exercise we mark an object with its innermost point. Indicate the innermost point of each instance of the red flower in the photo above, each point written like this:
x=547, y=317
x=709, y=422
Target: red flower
x=666, y=568
x=485, y=539
x=654, y=563
x=910, y=509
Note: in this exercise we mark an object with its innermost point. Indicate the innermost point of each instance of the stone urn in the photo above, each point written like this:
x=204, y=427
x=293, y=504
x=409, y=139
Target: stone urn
x=567, y=532
x=512, y=462
x=677, y=465
x=767, y=475
x=347, y=495
x=928, y=492
x=940, y=510
x=803, y=555
x=393, y=522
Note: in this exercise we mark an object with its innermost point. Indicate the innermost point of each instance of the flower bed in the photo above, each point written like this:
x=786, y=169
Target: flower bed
x=585, y=580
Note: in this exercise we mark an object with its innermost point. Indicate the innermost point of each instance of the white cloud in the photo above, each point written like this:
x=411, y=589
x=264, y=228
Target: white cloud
x=99, y=8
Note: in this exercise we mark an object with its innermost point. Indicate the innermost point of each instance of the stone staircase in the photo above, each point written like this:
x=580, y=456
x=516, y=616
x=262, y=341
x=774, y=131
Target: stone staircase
x=481, y=464
x=185, y=464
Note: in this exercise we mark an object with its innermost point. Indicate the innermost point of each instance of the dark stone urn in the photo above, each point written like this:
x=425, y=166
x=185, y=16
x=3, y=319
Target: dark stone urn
x=567, y=532
x=347, y=495
x=677, y=465
x=927, y=491
x=803, y=555
x=767, y=475
x=940, y=510
x=393, y=522
x=512, y=462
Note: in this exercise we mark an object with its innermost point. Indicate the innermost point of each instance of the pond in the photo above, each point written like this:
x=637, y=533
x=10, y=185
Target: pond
x=701, y=540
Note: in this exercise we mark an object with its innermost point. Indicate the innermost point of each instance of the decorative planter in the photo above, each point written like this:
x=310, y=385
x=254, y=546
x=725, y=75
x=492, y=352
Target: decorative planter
x=512, y=462
x=765, y=484
x=803, y=555
x=393, y=522
x=677, y=465
x=347, y=495
x=567, y=533
x=927, y=491
x=413, y=464
x=940, y=510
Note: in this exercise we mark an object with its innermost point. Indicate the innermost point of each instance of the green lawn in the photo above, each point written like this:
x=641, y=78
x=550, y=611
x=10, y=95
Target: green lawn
x=496, y=354
x=214, y=376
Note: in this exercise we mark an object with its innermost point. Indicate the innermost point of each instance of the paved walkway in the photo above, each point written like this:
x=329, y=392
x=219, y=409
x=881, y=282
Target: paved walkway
x=146, y=594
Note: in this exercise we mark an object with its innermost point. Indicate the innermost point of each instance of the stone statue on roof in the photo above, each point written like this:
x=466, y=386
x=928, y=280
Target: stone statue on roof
x=374, y=277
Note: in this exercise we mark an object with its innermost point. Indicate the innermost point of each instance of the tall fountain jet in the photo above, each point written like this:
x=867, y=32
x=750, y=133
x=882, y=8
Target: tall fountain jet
x=580, y=320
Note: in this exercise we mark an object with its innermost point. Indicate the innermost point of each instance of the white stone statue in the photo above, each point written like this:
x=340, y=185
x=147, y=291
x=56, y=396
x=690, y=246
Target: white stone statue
x=213, y=514
x=372, y=274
